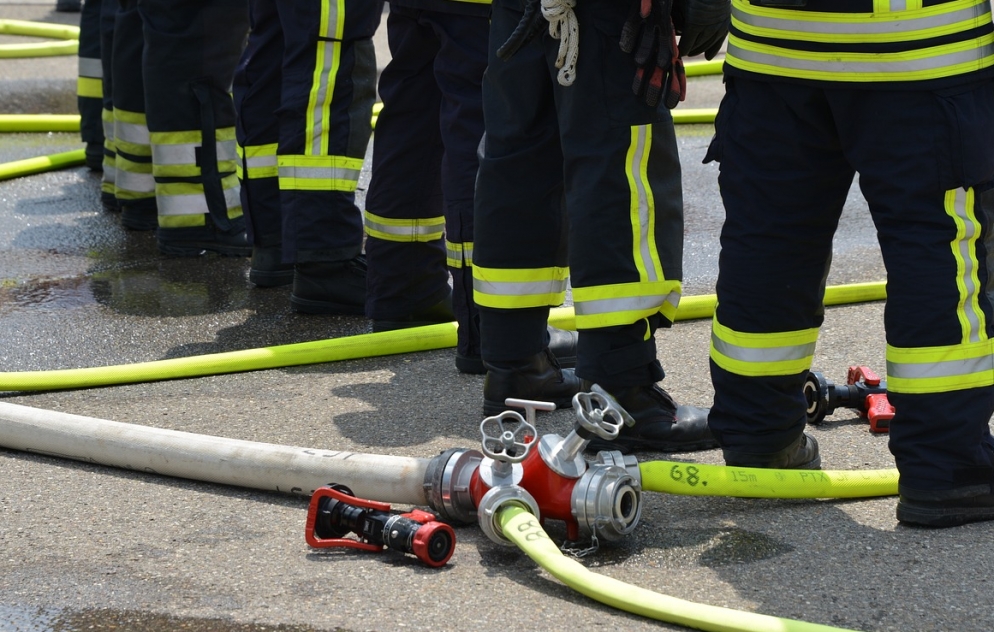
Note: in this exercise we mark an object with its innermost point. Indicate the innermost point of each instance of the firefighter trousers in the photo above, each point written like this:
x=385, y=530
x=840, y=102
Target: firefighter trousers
x=788, y=155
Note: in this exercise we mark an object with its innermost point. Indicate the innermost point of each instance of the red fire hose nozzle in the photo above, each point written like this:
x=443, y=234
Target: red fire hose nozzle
x=334, y=512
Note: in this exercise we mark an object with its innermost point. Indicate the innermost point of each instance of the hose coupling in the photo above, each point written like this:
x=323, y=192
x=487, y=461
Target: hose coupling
x=494, y=500
x=447, y=485
x=607, y=499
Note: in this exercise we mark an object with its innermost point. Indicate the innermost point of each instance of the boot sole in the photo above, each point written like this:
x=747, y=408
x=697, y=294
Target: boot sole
x=277, y=278
x=941, y=516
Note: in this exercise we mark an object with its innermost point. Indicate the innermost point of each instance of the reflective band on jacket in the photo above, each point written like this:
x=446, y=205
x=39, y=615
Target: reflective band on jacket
x=755, y=355
x=319, y=173
x=940, y=369
x=257, y=161
x=459, y=255
x=515, y=289
x=960, y=205
x=185, y=198
x=624, y=303
x=913, y=44
x=405, y=230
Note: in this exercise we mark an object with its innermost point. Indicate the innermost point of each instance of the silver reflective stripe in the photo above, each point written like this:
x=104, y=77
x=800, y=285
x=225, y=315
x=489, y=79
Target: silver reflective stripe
x=131, y=133
x=526, y=288
x=970, y=230
x=319, y=173
x=948, y=368
x=194, y=203
x=763, y=355
x=616, y=305
x=257, y=162
x=90, y=67
x=109, y=129
x=324, y=95
x=410, y=230
x=137, y=182
x=186, y=153
x=856, y=67
x=110, y=174
x=891, y=24
x=898, y=5
x=642, y=200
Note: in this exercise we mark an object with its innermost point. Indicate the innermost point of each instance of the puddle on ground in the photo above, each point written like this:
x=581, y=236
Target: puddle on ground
x=35, y=619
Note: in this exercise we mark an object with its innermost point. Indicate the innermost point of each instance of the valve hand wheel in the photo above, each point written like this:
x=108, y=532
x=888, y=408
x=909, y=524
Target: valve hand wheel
x=507, y=437
x=598, y=412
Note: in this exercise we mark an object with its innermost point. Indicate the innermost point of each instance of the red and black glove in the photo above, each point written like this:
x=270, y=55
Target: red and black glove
x=649, y=36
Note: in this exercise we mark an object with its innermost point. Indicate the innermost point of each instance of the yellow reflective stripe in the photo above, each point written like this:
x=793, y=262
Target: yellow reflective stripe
x=131, y=133
x=107, y=118
x=182, y=221
x=133, y=179
x=624, y=303
x=879, y=27
x=326, y=64
x=960, y=206
x=755, y=355
x=89, y=88
x=187, y=198
x=258, y=160
x=319, y=173
x=642, y=205
x=510, y=288
x=940, y=369
x=458, y=255
x=423, y=229
x=932, y=63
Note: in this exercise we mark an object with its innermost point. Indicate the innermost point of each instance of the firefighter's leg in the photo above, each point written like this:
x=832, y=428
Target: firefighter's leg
x=784, y=180
x=519, y=254
x=256, y=93
x=134, y=185
x=89, y=87
x=191, y=50
x=407, y=282
x=329, y=75
x=936, y=237
x=108, y=14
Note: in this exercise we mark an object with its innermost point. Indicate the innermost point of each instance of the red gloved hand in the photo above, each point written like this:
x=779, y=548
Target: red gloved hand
x=649, y=36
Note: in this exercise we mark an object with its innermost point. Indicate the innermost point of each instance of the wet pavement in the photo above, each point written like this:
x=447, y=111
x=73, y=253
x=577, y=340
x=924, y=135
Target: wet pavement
x=87, y=547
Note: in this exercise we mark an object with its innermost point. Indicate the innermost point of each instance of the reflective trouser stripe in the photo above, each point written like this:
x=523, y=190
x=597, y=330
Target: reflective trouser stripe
x=328, y=58
x=257, y=161
x=940, y=369
x=187, y=198
x=755, y=355
x=422, y=229
x=458, y=255
x=643, y=207
x=131, y=133
x=89, y=83
x=133, y=180
x=174, y=154
x=519, y=288
x=110, y=155
x=960, y=205
x=319, y=173
x=624, y=303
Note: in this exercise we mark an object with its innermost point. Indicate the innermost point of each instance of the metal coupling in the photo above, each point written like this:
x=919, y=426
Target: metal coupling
x=447, y=485
x=607, y=500
x=494, y=500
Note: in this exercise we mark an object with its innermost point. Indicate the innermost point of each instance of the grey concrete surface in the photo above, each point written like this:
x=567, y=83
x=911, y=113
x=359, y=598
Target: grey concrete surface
x=86, y=547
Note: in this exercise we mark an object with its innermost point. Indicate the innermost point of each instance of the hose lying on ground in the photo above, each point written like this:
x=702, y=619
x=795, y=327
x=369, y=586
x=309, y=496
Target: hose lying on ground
x=41, y=164
x=521, y=527
x=68, y=33
x=347, y=348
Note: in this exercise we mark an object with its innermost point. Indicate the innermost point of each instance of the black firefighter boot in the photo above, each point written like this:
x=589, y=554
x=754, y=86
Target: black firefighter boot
x=801, y=454
x=661, y=425
x=539, y=378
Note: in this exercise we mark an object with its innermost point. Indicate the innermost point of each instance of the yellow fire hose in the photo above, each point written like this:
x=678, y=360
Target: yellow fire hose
x=42, y=164
x=39, y=123
x=697, y=479
x=70, y=35
x=521, y=527
x=346, y=348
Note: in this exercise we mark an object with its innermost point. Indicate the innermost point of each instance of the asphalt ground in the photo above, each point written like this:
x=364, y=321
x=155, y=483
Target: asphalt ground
x=87, y=547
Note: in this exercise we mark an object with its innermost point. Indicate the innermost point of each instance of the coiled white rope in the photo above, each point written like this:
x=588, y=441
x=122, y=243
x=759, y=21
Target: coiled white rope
x=563, y=27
